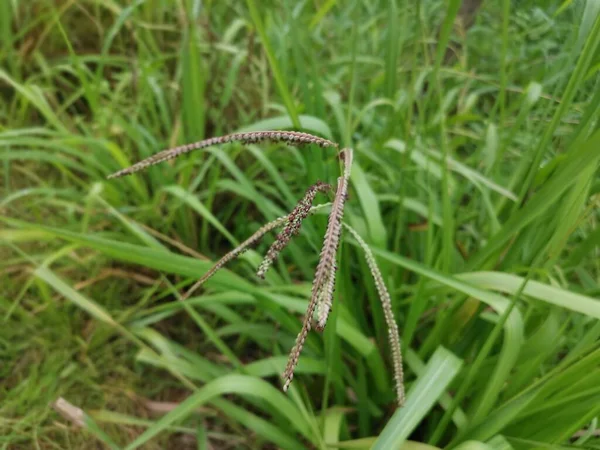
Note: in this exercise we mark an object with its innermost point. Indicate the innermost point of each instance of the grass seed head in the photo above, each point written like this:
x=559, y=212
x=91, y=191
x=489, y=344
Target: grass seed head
x=245, y=138
x=292, y=226
x=324, y=281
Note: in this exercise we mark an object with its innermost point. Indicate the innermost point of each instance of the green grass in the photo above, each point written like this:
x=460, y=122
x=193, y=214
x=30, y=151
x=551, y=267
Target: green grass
x=475, y=185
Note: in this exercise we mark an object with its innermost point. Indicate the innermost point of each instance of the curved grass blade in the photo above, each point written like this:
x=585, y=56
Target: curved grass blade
x=439, y=373
x=509, y=283
x=230, y=384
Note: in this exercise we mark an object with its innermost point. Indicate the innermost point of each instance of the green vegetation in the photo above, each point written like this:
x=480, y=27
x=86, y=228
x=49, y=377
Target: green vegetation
x=474, y=184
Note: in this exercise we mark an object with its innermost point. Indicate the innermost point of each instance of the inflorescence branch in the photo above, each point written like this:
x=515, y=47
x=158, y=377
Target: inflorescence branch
x=323, y=285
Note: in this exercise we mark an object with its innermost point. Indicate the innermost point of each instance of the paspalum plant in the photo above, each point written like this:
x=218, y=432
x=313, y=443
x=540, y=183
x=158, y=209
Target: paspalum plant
x=323, y=285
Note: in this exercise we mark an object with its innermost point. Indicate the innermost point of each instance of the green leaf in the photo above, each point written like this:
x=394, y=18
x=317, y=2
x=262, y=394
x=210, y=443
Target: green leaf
x=230, y=384
x=508, y=283
x=579, y=159
x=439, y=373
x=193, y=202
x=84, y=303
x=473, y=445
x=274, y=63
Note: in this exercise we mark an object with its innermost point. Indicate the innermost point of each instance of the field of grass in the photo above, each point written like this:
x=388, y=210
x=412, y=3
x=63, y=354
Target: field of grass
x=475, y=186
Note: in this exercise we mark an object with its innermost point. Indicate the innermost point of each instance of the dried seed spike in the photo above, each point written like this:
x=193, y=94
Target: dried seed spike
x=292, y=226
x=248, y=137
x=325, y=300
x=255, y=238
x=324, y=282
x=235, y=253
x=322, y=288
x=70, y=412
x=386, y=303
x=288, y=373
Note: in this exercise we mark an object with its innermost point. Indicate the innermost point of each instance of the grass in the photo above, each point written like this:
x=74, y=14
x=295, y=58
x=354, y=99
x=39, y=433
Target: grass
x=475, y=186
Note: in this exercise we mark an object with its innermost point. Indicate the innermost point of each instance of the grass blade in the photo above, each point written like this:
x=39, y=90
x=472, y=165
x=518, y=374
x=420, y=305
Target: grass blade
x=273, y=62
x=437, y=376
x=230, y=384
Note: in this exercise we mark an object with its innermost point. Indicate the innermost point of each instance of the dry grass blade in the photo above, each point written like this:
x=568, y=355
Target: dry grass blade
x=291, y=137
x=80, y=419
x=323, y=284
x=386, y=303
x=292, y=226
x=70, y=412
x=252, y=240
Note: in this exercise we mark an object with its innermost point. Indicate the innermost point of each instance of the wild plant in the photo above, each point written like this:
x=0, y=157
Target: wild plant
x=321, y=299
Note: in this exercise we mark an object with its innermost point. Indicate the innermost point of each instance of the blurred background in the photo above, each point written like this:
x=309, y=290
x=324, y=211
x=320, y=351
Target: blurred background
x=476, y=137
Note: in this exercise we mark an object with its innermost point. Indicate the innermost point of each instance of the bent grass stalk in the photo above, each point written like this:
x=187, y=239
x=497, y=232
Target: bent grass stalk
x=324, y=281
